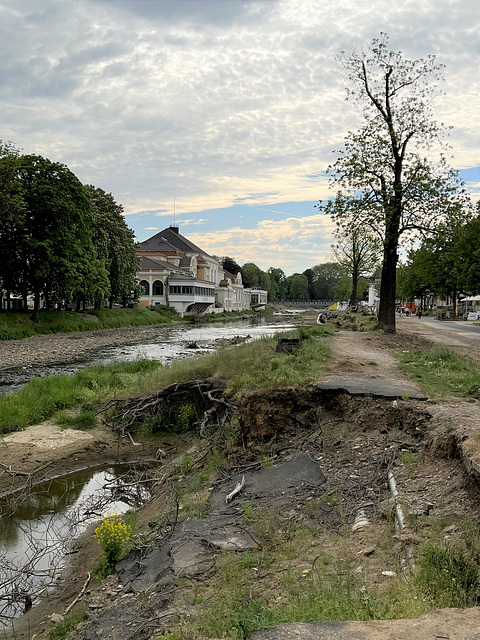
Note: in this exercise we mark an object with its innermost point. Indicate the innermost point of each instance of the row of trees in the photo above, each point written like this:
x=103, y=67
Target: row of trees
x=445, y=264
x=61, y=240
x=327, y=281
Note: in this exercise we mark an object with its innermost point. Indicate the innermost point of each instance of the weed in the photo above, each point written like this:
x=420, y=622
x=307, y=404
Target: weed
x=267, y=462
x=449, y=426
x=112, y=535
x=186, y=463
x=410, y=459
x=78, y=613
x=186, y=415
x=449, y=577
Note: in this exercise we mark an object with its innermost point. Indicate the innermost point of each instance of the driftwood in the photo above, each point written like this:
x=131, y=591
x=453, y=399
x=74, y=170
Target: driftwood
x=125, y=415
x=239, y=486
x=70, y=606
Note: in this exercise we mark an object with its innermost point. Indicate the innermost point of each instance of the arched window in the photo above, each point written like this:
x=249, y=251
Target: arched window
x=158, y=288
x=145, y=286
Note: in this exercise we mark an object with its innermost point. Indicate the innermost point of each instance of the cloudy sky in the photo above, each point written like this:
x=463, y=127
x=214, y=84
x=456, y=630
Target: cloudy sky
x=229, y=108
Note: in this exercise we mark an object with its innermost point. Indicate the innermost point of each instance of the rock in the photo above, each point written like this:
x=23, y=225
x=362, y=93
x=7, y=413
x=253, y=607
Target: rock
x=361, y=521
x=56, y=617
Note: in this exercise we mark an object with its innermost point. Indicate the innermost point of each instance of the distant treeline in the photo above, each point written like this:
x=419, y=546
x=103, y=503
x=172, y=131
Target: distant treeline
x=62, y=241
x=326, y=281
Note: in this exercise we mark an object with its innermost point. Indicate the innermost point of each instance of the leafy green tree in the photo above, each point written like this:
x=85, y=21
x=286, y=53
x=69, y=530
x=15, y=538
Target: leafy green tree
x=12, y=206
x=382, y=163
x=278, y=282
x=357, y=248
x=230, y=265
x=468, y=240
x=56, y=226
x=308, y=273
x=251, y=275
x=327, y=276
x=297, y=287
x=115, y=246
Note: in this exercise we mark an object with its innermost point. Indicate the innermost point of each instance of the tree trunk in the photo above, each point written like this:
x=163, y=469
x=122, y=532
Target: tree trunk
x=353, y=297
x=36, y=306
x=388, y=288
x=110, y=302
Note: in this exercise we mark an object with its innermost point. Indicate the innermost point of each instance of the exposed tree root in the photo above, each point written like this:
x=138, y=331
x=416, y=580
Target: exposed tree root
x=124, y=416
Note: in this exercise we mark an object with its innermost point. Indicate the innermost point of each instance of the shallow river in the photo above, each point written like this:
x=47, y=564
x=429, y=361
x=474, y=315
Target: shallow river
x=37, y=527
x=169, y=343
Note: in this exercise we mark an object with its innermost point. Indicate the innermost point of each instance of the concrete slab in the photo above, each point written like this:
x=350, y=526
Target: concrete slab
x=389, y=389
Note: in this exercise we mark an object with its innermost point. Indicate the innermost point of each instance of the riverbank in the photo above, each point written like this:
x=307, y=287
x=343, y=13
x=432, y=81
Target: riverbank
x=16, y=326
x=351, y=441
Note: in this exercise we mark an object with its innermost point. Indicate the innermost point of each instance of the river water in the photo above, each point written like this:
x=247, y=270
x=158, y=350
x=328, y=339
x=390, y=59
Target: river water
x=37, y=527
x=169, y=343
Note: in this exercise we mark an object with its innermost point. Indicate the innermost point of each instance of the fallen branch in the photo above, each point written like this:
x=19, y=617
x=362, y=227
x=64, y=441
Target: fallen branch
x=72, y=604
x=237, y=490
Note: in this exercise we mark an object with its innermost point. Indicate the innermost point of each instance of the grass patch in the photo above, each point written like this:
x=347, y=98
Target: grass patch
x=41, y=398
x=70, y=622
x=442, y=373
x=248, y=366
x=84, y=421
x=15, y=326
x=449, y=576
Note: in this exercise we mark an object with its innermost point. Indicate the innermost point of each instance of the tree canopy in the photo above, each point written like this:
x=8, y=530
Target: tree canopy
x=383, y=166
x=61, y=240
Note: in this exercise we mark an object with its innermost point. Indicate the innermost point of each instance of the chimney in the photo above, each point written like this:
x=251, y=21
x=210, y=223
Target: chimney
x=174, y=229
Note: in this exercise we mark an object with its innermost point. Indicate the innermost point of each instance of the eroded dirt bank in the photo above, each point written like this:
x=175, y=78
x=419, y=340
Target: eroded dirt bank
x=344, y=444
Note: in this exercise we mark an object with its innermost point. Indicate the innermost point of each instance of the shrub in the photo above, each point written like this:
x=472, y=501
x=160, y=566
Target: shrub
x=113, y=535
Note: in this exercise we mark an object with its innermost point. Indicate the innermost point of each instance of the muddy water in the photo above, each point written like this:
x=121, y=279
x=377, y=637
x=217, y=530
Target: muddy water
x=168, y=344
x=38, y=527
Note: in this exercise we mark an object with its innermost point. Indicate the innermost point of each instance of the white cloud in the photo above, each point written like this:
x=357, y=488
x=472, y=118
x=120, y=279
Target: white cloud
x=214, y=102
x=294, y=244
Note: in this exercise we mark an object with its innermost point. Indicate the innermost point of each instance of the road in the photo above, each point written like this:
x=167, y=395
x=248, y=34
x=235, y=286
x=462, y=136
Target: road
x=463, y=336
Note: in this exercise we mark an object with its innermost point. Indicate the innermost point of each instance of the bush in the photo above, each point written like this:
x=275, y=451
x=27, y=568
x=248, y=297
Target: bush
x=113, y=535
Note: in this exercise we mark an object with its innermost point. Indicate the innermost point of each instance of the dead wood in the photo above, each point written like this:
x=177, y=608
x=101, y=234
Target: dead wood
x=125, y=415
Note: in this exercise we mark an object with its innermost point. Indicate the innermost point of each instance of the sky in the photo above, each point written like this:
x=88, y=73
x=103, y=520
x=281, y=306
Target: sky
x=224, y=113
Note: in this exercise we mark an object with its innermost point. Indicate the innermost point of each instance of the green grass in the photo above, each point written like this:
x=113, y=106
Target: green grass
x=70, y=622
x=225, y=315
x=15, y=326
x=242, y=601
x=245, y=367
x=442, y=373
x=41, y=398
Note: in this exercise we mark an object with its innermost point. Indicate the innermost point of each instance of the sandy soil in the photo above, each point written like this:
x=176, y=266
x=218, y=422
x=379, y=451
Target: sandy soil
x=45, y=451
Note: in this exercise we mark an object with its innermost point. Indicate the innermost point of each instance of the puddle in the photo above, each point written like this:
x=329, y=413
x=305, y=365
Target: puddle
x=38, y=528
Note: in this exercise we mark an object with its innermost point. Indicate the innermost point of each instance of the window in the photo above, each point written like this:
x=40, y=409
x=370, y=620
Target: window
x=146, y=287
x=158, y=288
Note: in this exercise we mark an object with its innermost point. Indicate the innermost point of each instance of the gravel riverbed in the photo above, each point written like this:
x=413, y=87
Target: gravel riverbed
x=69, y=347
